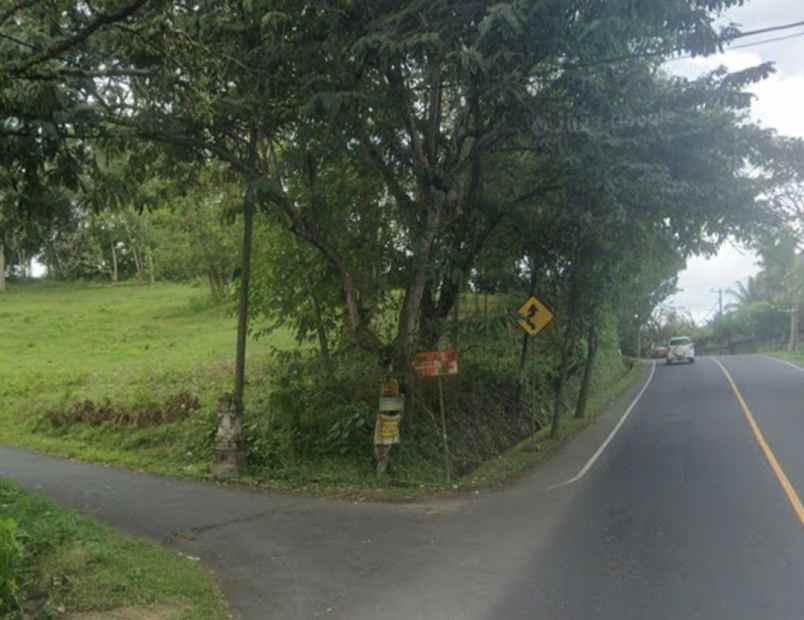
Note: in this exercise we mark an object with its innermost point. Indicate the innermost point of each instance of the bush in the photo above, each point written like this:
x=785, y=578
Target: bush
x=313, y=412
x=173, y=409
x=10, y=556
x=317, y=416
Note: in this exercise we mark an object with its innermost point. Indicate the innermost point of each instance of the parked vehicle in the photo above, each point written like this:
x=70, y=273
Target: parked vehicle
x=681, y=349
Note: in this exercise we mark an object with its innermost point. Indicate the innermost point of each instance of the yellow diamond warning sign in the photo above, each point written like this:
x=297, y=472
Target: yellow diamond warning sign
x=535, y=316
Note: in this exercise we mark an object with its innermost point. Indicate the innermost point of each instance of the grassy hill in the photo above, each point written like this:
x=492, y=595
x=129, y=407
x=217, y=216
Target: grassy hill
x=135, y=346
x=130, y=374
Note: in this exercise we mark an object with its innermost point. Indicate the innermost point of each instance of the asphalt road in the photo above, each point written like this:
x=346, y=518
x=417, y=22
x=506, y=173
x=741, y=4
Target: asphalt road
x=681, y=516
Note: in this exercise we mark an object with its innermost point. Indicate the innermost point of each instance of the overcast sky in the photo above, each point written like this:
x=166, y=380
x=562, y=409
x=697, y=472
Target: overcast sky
x=779, y=104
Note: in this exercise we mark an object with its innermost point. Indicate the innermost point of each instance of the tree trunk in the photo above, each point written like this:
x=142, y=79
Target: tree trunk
x=216, y=284
x=525, y=340
x=114, y=263
x=137, y=261
x=22, y=259
x=242, y=316
x=795, y=311
x=213, y=289
x=795, y=320
x=566, y=351
x=456, y=320
x=2, y=267
x=151, y=269
x=323, y=342
x=583, y=396
x=411, y=306
x=638, y=339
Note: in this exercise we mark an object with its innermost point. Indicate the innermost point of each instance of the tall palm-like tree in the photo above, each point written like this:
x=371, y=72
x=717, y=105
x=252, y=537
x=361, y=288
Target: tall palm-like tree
x=744, y=294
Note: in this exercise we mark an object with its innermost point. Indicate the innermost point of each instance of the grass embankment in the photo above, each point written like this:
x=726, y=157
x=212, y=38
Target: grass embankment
x=148, y=350
x=541, y=446
x=129, y=375
x=64, y=565
x=796, y=357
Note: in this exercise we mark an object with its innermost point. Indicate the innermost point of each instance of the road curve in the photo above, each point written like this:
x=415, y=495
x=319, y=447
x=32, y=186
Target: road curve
x=685, y=518
x=680, y=517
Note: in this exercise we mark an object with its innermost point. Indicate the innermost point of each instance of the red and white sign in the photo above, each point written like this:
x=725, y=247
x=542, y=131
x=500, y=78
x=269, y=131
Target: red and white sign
x=436, y=363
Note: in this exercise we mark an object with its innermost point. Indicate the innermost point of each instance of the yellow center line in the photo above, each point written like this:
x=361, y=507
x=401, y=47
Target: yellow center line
x=795, y=501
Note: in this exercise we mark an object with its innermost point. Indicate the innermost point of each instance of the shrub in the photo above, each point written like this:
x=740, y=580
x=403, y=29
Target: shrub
x=10, y=555
x=313, y=412
x=177, y=407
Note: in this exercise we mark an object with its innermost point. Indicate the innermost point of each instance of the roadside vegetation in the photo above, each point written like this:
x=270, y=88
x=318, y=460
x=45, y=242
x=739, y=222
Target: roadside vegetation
x=358, y=182
x=124, y=374
x=54, y=563
x=761, y=314
x=405, y=191
x=129, y=374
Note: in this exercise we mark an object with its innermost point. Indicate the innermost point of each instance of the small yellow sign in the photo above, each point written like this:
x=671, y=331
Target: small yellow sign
x=535, y=316
x=386, y=430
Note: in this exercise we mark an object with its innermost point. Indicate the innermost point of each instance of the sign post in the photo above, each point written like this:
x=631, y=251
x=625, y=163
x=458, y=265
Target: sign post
x=447, y=467
x=437, y=364
x=535, y=317
x=386, y=426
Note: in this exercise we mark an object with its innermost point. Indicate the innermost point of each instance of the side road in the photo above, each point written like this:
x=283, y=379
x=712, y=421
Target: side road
x=285, y=557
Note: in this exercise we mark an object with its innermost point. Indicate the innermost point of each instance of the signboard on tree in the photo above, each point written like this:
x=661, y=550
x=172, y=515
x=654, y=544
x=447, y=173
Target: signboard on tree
x=436, y=363
x=386, y=430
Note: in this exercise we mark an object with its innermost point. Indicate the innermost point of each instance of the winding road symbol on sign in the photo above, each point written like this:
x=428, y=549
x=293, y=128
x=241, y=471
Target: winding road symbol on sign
x=535, y=317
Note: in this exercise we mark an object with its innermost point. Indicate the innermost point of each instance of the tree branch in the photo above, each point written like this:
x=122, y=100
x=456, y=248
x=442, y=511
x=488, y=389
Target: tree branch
x=20, y=5
x=81, y=35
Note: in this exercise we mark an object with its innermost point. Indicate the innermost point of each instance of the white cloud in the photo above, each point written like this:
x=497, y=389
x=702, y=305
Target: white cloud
x=733, y=61
x=778, y=99
x=704, y=276
x=778, y=105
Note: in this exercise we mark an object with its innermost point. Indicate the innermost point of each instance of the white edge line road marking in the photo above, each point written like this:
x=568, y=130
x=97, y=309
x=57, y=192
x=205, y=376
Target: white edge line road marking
x=785, y=362
x=614, y=431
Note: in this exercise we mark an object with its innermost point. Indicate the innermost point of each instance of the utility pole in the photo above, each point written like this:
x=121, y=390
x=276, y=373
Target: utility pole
x=795, y=311
x=719, y=292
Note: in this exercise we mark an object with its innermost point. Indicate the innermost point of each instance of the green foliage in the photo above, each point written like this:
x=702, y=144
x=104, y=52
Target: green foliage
x=137, y=346
x=139, y=415
x=10, y=559
x=195, y=236
x=398, y=153
x=63, y=561
x=313, y=414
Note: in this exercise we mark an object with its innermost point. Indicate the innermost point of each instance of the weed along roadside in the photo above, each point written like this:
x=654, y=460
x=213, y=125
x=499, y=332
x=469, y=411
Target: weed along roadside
x=54, y=563
x=144, y=396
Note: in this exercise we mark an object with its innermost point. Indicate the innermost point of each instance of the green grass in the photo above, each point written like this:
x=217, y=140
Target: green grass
x=139, y=345
x=350, y=481
x=70, y=564
x=537, y=449
x=796, y=357
x=131, y=344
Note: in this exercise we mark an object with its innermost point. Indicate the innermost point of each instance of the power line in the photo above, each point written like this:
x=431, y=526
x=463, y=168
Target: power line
x=726, y=41
x=746, y=45
x=773, y=40
x=752, y=33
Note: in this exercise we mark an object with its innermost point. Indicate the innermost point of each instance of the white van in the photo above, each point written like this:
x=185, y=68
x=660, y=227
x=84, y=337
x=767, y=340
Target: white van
x=681, y=349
